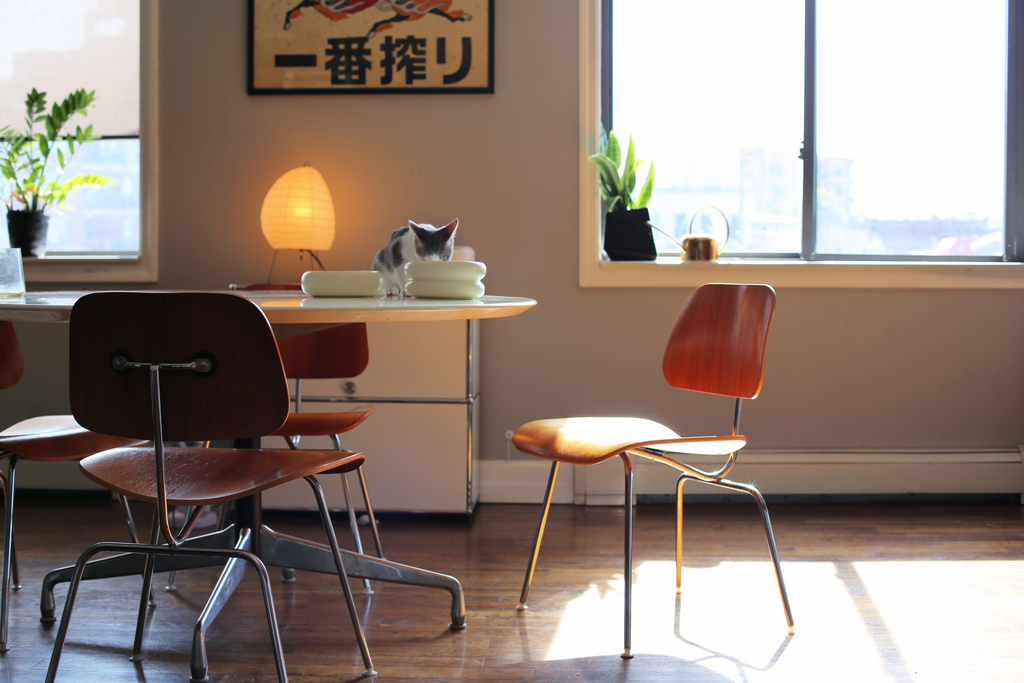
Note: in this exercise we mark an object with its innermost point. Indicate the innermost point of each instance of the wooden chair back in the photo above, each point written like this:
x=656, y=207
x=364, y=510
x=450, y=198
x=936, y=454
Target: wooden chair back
x=245, y=396
x=717, y=344
x=334, y=353
x=12, y=364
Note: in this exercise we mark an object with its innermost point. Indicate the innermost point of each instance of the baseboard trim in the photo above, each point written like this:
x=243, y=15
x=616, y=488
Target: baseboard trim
x=774, y=472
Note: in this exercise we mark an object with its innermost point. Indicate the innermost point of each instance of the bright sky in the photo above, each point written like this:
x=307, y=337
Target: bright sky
x=912, y=90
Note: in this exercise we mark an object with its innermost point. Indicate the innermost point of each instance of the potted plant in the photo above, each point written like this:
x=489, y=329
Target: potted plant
x=23, y=157
x=627, y=232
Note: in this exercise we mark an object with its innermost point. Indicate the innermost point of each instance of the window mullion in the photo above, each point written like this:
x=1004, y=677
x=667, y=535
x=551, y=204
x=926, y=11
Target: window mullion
x=808, y=151
x=1014, y=232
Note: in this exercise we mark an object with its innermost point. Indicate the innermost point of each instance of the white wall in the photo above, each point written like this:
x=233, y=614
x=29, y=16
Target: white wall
x=846, y=368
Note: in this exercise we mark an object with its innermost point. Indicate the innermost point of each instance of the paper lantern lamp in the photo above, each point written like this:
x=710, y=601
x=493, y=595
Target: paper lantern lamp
x=298, y=212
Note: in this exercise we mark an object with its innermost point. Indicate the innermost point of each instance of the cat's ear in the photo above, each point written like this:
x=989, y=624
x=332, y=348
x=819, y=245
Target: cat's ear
x=451, y=227
x=418, y=230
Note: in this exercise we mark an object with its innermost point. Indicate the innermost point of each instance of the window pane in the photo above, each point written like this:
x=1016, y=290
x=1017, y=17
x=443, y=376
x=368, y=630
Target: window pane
x=98, y=219
x=712, y=92
x=911, y=127
x=58, y=48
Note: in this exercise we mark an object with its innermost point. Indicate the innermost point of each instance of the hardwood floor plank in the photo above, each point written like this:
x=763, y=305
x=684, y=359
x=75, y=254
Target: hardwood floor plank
x=898, y=592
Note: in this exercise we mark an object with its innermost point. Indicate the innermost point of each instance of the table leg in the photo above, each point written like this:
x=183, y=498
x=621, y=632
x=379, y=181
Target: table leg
x=283, y=550
x=226, y=584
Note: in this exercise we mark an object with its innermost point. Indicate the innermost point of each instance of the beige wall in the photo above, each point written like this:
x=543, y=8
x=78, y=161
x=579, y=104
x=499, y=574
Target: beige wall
x=846, y=368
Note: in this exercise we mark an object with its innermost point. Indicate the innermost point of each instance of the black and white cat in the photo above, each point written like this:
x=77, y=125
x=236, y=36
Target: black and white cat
x=416, y=242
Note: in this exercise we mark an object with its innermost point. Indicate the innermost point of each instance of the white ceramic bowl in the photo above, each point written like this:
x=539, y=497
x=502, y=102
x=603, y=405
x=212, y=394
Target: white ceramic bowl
x=342, y=283
x=444, y=289
x=454, y=271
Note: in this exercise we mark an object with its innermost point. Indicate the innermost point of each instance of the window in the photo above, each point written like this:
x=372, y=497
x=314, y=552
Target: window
x=108, y=232
x=878, y=134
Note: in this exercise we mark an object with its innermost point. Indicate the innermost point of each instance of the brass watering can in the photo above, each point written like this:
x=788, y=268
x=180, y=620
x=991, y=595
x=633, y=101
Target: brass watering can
x=699, y=247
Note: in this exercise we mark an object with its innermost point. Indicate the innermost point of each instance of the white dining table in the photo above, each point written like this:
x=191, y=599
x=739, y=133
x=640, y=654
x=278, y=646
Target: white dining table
x=290, y=313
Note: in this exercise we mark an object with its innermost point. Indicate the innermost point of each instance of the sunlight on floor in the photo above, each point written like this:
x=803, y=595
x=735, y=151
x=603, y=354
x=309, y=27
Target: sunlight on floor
x=870, y=620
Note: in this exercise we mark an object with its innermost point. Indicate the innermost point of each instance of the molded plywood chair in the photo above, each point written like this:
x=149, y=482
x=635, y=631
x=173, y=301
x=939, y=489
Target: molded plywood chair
x=48, y=438
x=335, y=353
x=716, y=346
x=187, y=367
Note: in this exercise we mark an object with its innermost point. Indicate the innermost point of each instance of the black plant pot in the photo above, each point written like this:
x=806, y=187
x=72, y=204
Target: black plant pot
x=627, y=237
x=27, y=231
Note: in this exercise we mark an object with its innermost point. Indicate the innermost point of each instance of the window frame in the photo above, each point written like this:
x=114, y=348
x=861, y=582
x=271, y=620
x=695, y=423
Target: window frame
x=808, y=270
x=58, y=268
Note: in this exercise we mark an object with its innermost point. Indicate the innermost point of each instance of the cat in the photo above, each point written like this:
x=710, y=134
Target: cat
x=415, y=242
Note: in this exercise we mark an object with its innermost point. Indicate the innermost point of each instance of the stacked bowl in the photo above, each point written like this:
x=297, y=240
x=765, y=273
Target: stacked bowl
x=445, y=279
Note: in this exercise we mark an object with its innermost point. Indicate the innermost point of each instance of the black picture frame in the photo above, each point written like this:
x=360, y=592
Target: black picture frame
x=370, y=47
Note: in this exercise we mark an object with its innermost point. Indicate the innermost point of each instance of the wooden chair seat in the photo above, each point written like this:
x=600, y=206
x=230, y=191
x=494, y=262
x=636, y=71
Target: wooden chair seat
x=209, y=475
x=52, y=438
x=590, y=440
x=322, y=424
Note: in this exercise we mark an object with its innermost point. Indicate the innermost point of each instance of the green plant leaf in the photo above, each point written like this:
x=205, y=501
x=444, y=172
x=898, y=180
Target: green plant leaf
x=23, y=154
x=614, y=151
x=647, y=189
x=609, y=173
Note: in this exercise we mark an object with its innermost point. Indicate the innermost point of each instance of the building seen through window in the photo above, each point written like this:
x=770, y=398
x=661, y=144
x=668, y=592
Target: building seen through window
x=909, y=119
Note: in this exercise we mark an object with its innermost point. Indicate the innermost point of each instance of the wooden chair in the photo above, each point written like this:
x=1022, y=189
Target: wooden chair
x=187, y=367
x=716, y=346
x=335, y=353
x=48, y=438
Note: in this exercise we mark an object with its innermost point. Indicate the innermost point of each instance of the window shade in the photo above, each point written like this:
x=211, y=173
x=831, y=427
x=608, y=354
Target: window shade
x=60, y=47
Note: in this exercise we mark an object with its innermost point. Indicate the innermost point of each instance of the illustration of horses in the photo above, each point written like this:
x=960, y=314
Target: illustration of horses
x=405, y=10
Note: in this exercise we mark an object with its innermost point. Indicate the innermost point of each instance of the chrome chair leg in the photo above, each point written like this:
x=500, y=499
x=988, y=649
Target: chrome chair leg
x=336, y=440
x=532, y=564
x=627, y=571
x=172, y=576
x=127, y=510
x=332, y=539
x=5, y=597
x=763, y=508
x=15, y=583
x=147, y=592
x=255, y=562
x=369, y=513
x=354, y=526
x=679, y=533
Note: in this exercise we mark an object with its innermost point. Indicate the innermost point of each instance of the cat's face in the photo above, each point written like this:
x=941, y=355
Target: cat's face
x=434, y=244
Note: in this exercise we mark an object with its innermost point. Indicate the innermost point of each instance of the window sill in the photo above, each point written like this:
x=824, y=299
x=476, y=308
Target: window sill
x=804, y=274
x=89, y=269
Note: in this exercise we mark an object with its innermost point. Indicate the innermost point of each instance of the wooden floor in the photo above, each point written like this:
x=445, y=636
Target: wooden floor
x=895, y=592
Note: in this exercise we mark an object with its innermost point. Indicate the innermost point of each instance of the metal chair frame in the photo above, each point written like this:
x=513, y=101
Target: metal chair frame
x=687, y=473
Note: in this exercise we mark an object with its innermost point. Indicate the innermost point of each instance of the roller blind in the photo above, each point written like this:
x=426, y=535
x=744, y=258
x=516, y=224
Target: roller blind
x=58, y=47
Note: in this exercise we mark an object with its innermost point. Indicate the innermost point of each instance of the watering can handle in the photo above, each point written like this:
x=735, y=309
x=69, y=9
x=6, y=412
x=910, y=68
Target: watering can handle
x=720, y=213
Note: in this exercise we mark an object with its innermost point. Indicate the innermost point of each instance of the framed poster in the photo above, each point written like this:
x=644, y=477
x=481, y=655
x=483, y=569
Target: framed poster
x=371, y=46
